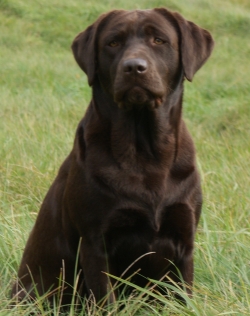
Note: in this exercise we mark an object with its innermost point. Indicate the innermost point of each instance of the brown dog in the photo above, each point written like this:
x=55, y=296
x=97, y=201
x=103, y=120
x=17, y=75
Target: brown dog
x=130, y=185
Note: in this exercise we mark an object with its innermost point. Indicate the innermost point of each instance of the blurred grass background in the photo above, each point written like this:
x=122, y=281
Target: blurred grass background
x=43, y=95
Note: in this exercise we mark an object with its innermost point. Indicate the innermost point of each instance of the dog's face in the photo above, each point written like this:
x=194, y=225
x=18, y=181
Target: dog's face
x=140, y=56
x=138, y=61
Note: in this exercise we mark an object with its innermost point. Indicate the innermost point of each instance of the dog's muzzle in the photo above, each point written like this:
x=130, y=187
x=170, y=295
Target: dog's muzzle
x=133, y=88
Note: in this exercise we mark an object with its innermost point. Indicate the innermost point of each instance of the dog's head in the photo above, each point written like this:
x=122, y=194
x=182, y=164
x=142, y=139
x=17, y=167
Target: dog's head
x=140, y=56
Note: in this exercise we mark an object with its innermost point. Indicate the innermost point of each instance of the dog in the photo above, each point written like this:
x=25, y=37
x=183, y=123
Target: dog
x=128, y=197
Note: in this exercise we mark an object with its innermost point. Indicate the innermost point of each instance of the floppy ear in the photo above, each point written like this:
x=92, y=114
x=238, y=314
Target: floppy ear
x=85, y=44
x=83, y=48
x=196, y=46
x=196, y=43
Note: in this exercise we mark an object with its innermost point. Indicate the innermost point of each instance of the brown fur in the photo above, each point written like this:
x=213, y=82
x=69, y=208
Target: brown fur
x=130, y=184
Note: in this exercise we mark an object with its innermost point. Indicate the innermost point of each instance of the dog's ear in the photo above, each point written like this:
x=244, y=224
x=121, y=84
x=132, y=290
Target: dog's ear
x=84, y=49
x=196, y=46
x=196, y=43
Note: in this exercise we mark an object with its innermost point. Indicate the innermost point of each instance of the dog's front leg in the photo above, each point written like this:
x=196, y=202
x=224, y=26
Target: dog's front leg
x=186, y=268
x=178, y=223
x=96, y=265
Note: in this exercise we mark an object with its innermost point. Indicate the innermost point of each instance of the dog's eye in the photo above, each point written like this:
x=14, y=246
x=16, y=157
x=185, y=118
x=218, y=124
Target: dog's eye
x=158, y=41
x=114, y=44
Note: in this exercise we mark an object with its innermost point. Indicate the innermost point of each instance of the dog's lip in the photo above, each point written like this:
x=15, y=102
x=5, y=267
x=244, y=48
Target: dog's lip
x=158, y=101
x=156, y=96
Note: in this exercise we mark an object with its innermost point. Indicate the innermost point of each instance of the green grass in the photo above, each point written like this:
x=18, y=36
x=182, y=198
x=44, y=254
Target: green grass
x=43, y=95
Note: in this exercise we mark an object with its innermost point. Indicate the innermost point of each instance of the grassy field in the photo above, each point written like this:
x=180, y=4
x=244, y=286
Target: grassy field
x=43, y=95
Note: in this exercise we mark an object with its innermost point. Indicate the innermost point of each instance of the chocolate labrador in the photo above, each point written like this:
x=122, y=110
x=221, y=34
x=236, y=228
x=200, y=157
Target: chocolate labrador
x=129, y=192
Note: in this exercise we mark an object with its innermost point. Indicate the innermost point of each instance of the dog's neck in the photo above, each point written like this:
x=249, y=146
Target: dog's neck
x=143, y=133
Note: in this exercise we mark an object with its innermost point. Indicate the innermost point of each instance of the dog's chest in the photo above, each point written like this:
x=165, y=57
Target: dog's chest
x=145, y=185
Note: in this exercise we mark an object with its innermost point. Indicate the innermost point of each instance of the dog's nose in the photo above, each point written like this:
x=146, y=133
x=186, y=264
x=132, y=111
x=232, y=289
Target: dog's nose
x=135, y=66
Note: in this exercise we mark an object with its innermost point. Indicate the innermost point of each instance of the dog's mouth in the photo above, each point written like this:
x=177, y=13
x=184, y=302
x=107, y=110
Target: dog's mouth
x=138, y=97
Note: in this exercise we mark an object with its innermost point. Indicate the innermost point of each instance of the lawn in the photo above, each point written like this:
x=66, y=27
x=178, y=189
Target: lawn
x=43, y=95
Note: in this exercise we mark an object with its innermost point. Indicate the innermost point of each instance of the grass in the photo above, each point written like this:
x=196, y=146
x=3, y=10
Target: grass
x=43, y=96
